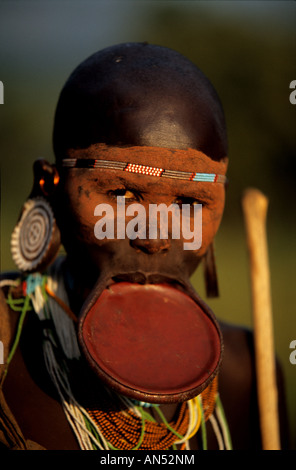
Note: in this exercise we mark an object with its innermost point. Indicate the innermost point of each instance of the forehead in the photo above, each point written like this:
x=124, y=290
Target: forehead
x=147, y=168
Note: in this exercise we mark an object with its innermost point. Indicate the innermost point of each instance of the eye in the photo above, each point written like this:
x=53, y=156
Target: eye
x=189, y=201
x=125, y=193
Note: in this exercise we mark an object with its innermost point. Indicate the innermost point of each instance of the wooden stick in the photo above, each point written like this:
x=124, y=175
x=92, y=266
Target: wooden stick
x=255, y=205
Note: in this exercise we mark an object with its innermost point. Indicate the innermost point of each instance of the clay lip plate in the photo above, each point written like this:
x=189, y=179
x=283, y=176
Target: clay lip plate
x=151, y=339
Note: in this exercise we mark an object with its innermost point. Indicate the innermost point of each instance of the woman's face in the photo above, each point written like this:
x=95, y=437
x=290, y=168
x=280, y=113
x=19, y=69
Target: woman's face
x=83, y=190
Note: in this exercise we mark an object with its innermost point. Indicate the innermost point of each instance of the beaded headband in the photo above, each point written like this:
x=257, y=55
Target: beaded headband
x=142, y=169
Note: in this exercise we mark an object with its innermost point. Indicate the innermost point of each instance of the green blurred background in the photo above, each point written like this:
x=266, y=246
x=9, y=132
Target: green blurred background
x=247, y=49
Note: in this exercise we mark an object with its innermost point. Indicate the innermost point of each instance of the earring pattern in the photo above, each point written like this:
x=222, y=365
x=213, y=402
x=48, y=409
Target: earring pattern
x=35, y=240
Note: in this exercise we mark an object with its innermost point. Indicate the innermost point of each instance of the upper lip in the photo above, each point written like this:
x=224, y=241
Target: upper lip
x=144, y=278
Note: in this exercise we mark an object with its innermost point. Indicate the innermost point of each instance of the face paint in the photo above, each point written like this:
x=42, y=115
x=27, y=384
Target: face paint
x=142, y=328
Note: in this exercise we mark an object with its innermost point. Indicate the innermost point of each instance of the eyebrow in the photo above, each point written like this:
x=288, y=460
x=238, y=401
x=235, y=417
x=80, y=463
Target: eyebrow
x=121, y=182
x=143, y=170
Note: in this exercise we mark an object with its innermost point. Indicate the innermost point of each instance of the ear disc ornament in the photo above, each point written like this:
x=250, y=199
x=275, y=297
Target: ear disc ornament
x=35, y=240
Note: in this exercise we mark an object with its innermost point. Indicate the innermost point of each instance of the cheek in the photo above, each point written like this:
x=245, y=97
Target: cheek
x=211, y=219
x=76, y=212
x=211, y=222
x=77, y=220
x=210, y=226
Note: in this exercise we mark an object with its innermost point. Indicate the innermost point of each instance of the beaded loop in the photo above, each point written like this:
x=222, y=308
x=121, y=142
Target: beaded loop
x=123, y=428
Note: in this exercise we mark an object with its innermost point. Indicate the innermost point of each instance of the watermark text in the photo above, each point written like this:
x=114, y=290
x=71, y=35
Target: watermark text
x=1, y=93
x=293, y=353
x=1, y=353
x=292, y=96
x=161, y=221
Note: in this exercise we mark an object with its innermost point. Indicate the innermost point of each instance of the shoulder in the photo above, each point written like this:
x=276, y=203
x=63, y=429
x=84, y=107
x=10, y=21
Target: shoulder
x=237, y=386
x=238, y=346
x=239, y=354
x=238, y=373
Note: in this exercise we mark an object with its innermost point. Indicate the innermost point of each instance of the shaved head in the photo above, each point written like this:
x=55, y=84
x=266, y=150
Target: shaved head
x=138, y=94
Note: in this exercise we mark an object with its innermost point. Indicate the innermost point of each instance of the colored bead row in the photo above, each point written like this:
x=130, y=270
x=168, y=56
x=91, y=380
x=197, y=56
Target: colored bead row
x=142, y=169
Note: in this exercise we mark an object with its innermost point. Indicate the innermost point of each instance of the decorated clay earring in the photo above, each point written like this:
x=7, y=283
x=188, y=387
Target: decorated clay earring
x=36, y=239
x=210, y=272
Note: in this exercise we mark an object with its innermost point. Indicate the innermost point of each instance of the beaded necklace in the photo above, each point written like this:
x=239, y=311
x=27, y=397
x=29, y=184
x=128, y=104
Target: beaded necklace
x=116, y=423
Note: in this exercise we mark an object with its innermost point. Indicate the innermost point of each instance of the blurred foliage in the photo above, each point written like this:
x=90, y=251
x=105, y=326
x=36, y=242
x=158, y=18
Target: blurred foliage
x=251, y=66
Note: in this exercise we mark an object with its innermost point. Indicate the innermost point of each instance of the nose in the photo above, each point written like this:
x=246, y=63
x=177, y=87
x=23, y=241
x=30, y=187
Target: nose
x=151, y=247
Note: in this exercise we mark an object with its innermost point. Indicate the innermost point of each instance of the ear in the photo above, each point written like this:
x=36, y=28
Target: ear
x=210, y=273
x=46, y=178
x=36, y=238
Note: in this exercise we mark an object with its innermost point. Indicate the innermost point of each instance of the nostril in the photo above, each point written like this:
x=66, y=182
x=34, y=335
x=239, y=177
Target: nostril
x=150, y=246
